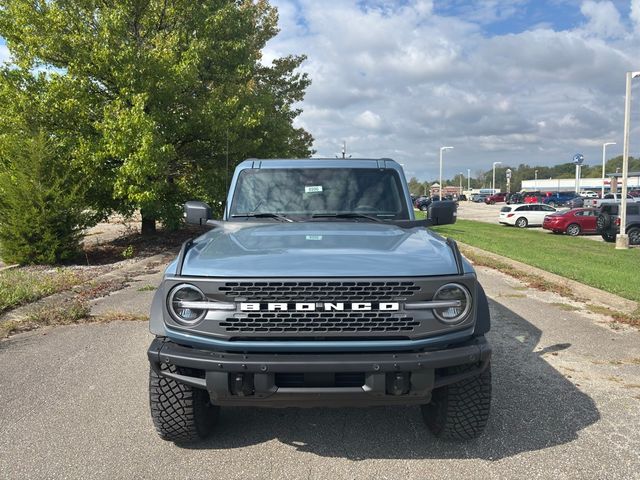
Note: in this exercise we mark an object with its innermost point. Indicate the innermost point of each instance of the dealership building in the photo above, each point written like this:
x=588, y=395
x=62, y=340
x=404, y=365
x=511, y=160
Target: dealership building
x=611, y=182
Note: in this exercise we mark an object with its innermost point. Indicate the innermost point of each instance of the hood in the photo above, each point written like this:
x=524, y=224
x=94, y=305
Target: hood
x=318, y=249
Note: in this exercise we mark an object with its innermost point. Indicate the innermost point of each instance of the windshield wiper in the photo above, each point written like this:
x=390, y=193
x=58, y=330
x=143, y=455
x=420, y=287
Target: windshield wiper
x=277, y=216
x=346, y=215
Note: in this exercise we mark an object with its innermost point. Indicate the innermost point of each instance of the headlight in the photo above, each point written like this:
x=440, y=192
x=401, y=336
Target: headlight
x=178, y=300
x=452, y=292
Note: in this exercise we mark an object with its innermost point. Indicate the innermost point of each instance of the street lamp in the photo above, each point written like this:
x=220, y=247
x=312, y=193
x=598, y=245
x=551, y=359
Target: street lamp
x=442, y=149
x=460, y=190
x=535, y=180
x=468, y=180
x=493, y=181
x=622, y=240
x=604, y=158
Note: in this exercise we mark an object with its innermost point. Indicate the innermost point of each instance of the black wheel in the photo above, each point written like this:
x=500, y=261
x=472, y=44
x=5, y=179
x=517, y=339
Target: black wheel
x=609, y=237
x=424, y=208
x=180, y=413
x=461, y=410
x=574, y=230
x=634, y=236
x=603, y=222
x=522, y=222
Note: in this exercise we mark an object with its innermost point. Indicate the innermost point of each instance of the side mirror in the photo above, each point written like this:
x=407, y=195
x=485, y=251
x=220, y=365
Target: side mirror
x=442, y=213
x=197, y=213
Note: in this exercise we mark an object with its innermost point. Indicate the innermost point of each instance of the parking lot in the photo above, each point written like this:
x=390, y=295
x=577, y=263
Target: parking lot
x=482, y=212
x=565, y=405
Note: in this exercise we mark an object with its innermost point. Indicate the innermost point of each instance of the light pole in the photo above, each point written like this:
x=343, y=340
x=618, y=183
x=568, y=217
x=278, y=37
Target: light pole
x=622, y=240
x=604, y=158
x=442, y=149
x=468, y=179
x=535, y=180
x=493, y=181
x=460, y=190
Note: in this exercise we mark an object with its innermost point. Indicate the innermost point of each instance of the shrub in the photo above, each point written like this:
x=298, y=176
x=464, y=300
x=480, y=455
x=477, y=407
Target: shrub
x=42, y=205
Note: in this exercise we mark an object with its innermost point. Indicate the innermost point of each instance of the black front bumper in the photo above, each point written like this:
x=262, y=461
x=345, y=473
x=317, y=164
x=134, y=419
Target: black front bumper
x=252, y=379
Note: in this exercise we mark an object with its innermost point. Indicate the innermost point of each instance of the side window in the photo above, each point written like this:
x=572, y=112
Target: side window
x=547, y=208
x=581, y=214
x=535, y=208
x=524, y=208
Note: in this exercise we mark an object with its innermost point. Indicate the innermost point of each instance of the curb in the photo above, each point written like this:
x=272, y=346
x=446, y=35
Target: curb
x=585, y=292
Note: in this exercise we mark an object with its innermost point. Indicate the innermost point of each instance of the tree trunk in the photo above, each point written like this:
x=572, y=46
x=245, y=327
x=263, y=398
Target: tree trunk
x=148, y=225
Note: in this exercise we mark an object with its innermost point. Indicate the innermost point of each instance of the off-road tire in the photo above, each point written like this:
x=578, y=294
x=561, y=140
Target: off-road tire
x=603, y=222
x=574, y=230
x=634, y=236
x=522, y=222
x=608, y=237
x=180, y=413
x=460, y=411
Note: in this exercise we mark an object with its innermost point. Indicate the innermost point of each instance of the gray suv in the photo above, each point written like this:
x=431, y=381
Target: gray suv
x=608, y=222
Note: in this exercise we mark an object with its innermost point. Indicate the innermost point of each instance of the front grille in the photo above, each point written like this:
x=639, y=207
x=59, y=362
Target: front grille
x=301, y=380
x=319, y=291
x=320, y=322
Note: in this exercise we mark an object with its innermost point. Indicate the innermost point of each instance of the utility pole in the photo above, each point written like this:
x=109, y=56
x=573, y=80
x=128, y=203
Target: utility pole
x=468, y=179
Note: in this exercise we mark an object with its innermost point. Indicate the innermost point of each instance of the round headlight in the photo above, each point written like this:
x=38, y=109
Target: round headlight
x=453, y=314
x=178, y=304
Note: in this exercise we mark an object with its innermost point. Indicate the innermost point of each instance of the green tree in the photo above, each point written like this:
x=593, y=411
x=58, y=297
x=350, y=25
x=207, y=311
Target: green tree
x=42, y=204
x=154, y=98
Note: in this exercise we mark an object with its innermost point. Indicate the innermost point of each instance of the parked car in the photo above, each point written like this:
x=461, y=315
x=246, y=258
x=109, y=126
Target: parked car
x=462, y=197
x=419, y=199
x=589, y=194
x=514, y=198
x=576, y=221
x=478, y=197
x=524, y=215
x=608, y=198
x=496, y=198
x=558, y=199
x=576, y=202
x=532, y=197
x=423, y=203
x=608, y=222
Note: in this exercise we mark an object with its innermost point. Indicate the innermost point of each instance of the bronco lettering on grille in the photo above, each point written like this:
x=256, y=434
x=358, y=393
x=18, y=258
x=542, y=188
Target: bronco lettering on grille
x=318, y=306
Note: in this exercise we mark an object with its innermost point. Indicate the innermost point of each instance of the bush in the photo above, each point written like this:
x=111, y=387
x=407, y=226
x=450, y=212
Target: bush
x=42, y=205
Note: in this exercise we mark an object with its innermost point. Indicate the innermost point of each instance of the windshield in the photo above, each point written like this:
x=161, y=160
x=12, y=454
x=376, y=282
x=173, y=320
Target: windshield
x=312, y=191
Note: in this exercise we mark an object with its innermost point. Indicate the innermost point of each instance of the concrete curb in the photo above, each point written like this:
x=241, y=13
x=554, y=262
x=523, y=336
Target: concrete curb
x=585, y=292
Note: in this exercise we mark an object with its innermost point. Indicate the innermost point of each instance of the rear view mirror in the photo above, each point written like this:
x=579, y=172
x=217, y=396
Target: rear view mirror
x=442, y=213
x=197, y=213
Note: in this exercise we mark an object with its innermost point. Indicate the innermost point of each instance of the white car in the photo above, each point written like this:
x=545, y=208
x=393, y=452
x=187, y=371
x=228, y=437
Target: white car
x=588, y=194
x=525, y=214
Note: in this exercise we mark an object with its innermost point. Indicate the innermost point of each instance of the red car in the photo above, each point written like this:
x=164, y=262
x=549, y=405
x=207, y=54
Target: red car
x=574, y=222
x=496, y=198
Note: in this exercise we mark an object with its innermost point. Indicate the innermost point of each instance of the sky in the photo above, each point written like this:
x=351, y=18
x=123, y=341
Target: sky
x=514, y=81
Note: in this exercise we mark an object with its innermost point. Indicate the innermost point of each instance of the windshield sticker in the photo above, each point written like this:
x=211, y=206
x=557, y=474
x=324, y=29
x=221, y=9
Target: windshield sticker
x=313, y=189
x=314, y=237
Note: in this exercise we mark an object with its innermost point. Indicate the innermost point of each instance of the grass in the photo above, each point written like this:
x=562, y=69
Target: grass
x=19, y=286
x=596, y=264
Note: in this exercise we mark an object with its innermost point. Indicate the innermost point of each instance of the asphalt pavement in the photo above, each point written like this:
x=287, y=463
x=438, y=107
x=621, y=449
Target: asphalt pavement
x=566, y=404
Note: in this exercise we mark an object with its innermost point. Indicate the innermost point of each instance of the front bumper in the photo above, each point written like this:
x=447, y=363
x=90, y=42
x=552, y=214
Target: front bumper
x=252, y=379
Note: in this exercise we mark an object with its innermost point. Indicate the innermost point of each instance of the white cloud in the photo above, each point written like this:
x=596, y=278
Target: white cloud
x=604, y=18
x=368, y=120
x=392, y=83
x=635, y=14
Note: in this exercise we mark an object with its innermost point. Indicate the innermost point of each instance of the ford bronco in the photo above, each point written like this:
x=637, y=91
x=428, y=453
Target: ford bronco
x=319, y=288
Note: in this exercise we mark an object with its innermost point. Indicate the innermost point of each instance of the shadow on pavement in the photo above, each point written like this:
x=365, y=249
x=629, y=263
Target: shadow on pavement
x=534, y=407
